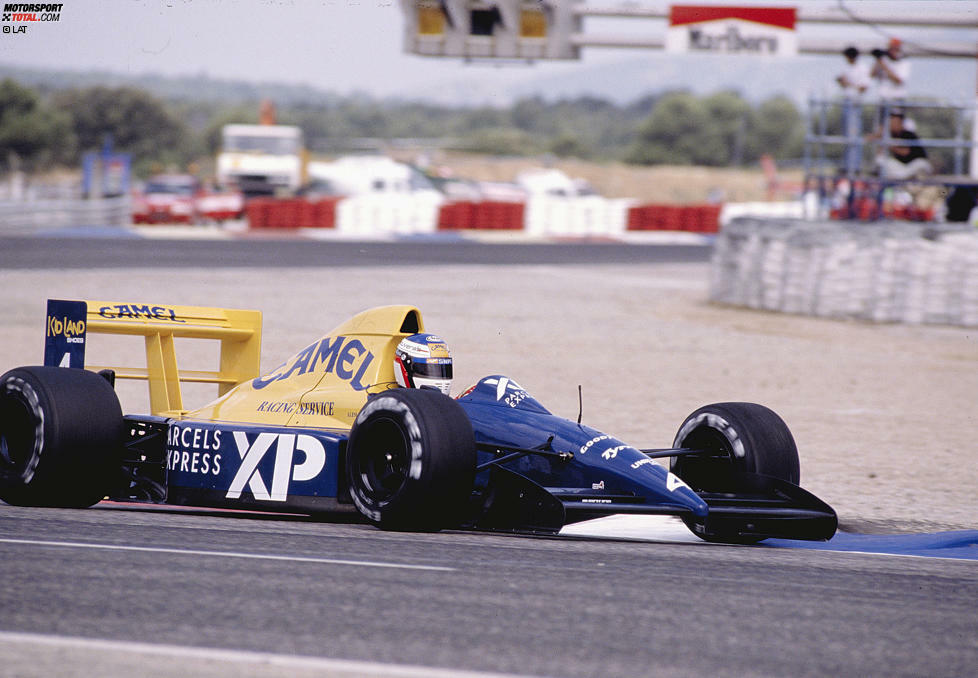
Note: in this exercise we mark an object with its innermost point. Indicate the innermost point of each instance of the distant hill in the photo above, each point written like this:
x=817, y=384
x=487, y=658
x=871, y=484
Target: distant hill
x=188, y=88
x=621, y=81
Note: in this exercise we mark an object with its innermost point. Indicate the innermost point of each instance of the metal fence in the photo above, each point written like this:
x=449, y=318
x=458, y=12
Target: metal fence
x=36, y=215
x=837, y=129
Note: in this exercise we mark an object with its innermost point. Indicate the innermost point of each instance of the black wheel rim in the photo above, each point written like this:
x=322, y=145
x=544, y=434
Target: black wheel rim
x=707, y=471
x=18, y=432
x=383, y=460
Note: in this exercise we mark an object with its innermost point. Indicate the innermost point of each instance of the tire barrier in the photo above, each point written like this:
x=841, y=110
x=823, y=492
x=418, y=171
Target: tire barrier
x=481, y=215
x=265, y=213
x=695, y=218
x=885, y=272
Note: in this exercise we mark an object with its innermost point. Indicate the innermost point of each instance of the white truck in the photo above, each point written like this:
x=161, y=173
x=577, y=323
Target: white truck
x=262, y=159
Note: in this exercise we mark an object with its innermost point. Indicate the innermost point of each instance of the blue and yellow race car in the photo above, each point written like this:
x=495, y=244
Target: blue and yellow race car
x=338, y=424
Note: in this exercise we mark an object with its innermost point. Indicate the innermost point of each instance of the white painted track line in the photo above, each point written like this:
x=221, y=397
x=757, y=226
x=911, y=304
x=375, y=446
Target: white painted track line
x=109, y=656
x=228, y=554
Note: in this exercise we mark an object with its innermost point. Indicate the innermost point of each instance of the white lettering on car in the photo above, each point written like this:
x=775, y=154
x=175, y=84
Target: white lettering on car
x=612, y=452
x=283, y=471
x=591, y=443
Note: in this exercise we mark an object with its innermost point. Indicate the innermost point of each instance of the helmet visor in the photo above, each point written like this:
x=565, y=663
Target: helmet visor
x=432, y=370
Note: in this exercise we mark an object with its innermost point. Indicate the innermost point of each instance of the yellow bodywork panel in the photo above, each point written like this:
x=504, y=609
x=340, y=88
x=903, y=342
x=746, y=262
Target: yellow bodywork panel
x=322, y=386
x=239, y=332
x=326, y=383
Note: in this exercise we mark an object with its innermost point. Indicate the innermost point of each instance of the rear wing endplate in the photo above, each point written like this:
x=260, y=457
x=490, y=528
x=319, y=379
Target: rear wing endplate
x=69, y=322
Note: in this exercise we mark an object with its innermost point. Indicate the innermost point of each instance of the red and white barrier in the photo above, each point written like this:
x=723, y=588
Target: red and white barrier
x=409, y=213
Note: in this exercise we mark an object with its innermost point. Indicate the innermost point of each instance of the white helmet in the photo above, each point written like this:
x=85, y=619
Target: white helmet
x=423, y=360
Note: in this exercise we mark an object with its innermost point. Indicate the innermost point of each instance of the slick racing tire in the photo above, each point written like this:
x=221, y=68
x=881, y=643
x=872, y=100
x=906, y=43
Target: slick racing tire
x=410, y=460
x=61, y=432
x=736, y=437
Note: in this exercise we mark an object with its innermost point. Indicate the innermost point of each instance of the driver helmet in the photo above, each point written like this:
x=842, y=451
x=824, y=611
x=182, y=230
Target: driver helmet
x=423, y=360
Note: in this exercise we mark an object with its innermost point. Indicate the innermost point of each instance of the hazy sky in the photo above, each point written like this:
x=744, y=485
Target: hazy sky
x=356, y=45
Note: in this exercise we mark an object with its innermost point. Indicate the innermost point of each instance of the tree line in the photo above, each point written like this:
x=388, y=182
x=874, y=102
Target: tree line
x=50, y=126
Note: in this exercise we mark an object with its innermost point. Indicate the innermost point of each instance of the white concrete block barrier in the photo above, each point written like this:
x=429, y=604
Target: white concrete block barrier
x=372, y=214
x=881, y=272
x=576, y=216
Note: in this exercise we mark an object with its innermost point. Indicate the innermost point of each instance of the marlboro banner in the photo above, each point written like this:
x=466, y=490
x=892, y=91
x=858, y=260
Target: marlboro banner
x=732, y=30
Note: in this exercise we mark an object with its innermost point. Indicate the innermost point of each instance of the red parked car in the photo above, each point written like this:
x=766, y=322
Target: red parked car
x=182, y=199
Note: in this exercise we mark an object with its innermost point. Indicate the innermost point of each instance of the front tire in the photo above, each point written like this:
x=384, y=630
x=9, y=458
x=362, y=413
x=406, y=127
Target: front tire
x=410, y=460
x=735, y=438
x=61, y=431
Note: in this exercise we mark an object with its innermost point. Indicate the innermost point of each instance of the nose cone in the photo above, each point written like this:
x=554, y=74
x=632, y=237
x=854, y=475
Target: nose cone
x=686, y=495
x=661, y=486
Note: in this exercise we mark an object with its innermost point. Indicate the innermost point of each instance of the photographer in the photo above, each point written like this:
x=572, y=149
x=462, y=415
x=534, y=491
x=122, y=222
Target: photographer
x=891, y=72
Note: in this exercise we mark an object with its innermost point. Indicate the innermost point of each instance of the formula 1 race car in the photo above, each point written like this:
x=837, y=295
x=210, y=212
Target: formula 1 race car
x=330, y=426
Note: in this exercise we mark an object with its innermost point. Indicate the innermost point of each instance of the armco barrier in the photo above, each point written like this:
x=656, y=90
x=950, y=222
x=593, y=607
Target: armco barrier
x=881, y=272
x=694, y=218
x=28, y=216
x=263, y=213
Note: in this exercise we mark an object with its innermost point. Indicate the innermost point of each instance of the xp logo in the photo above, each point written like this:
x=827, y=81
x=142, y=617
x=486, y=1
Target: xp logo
x=284, y=469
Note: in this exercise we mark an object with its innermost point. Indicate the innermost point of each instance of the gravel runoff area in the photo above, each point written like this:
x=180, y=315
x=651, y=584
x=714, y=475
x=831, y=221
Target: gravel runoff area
x=885, y=416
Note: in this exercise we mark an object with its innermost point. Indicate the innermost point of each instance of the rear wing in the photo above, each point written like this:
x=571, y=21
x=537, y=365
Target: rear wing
x=239, y=331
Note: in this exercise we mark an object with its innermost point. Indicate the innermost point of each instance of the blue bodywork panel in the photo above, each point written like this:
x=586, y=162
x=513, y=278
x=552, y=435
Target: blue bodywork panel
x=271, y=467
x=596, y=471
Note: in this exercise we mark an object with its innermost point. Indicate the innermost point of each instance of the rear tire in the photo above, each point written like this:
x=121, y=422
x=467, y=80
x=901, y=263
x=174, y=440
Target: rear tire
x=410, y=460
x=739, y=437
x=61, y=433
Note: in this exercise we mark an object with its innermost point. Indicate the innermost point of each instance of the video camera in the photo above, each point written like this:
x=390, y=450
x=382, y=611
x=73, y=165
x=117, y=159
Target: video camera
x=879, y=53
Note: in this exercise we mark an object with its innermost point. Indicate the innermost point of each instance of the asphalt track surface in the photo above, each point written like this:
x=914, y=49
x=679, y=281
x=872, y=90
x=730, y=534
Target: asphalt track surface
x=120, y=592
x=100, y=252
x=297, y=588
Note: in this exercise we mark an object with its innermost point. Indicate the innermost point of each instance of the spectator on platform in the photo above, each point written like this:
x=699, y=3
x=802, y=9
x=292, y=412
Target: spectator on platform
x=854, y=78
x=902, y=162
x=854, y=81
